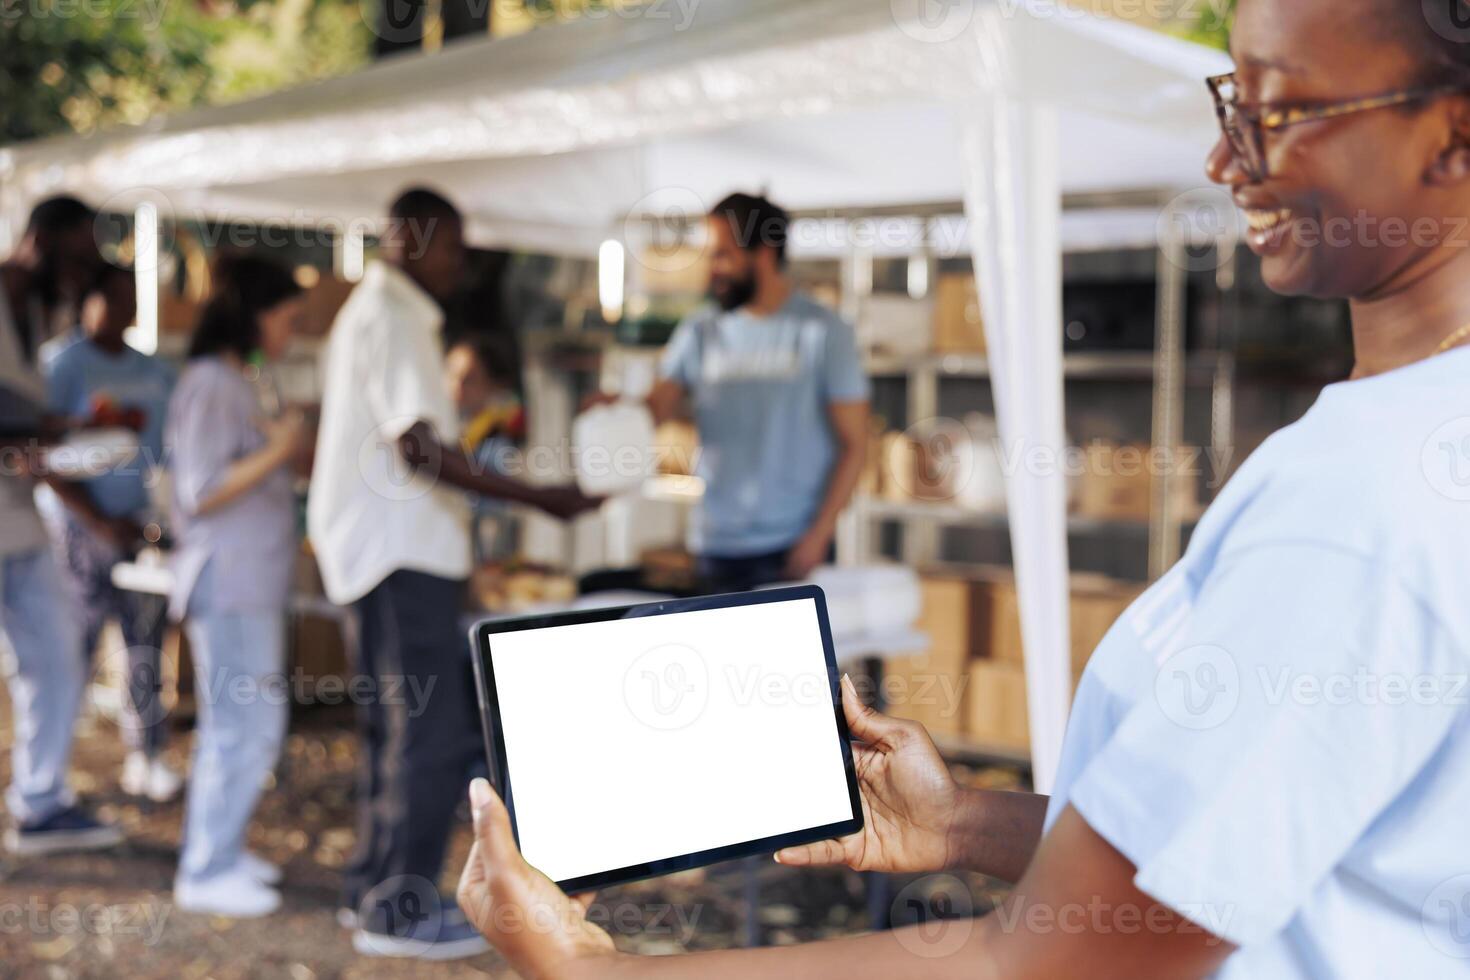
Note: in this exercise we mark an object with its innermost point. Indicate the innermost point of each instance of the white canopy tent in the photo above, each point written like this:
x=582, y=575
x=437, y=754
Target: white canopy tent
x=550, y=140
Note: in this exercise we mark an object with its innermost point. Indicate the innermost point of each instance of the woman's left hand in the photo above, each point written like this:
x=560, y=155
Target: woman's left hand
x=541, y=931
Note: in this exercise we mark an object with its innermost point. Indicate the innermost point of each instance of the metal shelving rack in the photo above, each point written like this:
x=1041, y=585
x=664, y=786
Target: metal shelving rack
x=1166, y=367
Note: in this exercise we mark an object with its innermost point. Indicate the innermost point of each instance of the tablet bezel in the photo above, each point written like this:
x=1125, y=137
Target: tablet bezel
x=489, y=701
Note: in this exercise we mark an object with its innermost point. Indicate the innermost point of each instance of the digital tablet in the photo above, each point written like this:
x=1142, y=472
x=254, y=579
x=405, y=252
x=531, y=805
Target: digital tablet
x=641, y=740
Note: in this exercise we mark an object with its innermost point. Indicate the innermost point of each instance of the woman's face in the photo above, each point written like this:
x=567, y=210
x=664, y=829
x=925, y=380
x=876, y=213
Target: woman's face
x=1363, y=203
x=279, y=323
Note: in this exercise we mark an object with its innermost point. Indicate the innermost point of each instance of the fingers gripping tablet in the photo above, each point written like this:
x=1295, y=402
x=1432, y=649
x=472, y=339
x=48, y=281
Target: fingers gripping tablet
x=640, y=740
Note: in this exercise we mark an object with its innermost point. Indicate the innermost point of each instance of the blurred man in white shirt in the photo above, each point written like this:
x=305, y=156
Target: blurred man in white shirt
x=390, y=525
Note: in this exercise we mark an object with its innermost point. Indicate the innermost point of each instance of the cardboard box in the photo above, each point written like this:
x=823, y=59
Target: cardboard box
x=959, y=327
x=954, y=616
x=911, y=472
x=1001, y=638
x=677, y=445
x=972, y=680
x=930, y=688
x=1097, y=602
x=894, y=324
x=899, y=462
x=1118, y=484
x=996, y=711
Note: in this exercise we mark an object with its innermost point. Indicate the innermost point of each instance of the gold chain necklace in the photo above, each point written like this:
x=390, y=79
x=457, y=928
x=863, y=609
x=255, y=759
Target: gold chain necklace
x=1453, y=339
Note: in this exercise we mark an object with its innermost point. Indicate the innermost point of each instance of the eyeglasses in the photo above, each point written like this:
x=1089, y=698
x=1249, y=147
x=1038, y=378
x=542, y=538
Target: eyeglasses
x=1245, y=124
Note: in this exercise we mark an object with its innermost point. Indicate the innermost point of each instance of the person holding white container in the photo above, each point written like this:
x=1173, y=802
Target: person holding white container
x=780, y=400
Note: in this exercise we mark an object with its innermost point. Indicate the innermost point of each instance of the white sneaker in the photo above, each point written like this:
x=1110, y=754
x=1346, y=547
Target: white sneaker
x=142, y=776
x=259, y=868
x=233, y=894
x=135, y=774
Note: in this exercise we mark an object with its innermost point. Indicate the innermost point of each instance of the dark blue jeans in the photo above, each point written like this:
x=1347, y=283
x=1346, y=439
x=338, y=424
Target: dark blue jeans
x=86, y=561
x=415, y=751
x=745, y=572
x=740, y=574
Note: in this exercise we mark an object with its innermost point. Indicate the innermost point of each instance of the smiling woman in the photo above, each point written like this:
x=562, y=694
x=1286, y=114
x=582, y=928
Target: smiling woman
x=1209, y=817
x=1348, y=157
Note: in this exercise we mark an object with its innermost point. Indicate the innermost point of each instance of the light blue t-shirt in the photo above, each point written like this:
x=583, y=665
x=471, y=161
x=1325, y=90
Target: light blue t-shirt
x=1277, y=734
x=77, y=371
x=761, y=388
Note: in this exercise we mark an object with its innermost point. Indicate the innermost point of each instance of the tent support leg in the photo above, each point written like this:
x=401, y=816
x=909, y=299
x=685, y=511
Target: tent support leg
x=1166, y=523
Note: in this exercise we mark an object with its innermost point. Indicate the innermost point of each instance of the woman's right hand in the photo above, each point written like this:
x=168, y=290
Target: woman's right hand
x=909, y=799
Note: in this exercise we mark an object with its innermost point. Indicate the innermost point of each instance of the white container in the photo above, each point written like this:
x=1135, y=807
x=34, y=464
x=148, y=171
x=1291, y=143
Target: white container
x=92, y=452
x=615, y=450
x=983, y=487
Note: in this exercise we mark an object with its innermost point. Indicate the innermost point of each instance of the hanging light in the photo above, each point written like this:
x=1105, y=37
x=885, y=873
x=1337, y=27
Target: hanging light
x=349, y=256
x=611, y=261
x=918, y=276
x=144, y=334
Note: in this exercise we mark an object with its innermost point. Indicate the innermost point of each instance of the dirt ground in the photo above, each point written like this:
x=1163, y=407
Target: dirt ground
x=110, y=914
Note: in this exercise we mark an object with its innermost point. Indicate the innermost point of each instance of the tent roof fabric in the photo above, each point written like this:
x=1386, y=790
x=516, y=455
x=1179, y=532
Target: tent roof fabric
x=548, y=141
x=549, y=138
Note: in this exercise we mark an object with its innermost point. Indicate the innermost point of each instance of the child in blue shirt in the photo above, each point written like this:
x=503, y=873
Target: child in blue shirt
x=94, y=375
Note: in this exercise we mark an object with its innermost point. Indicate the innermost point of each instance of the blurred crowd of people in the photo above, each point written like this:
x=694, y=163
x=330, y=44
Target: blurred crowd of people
x=414, y=434
x=232, y=460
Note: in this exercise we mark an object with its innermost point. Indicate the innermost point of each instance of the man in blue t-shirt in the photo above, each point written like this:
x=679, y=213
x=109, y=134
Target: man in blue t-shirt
x=93, y=375
x=781, y=403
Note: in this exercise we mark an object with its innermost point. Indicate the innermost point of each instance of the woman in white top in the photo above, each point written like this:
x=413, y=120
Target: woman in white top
x=1265, y=770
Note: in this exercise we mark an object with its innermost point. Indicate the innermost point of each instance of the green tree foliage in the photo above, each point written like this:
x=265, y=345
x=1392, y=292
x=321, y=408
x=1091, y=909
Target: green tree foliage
x=67, y=64
x=78, y=65
x=1213, y=24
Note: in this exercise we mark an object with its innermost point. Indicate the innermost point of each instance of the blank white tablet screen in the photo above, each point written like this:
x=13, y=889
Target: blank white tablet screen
x=636, y=740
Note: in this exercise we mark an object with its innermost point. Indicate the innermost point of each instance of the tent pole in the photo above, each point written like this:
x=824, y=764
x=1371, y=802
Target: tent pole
x=1013, y=201
x=1166, y=521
